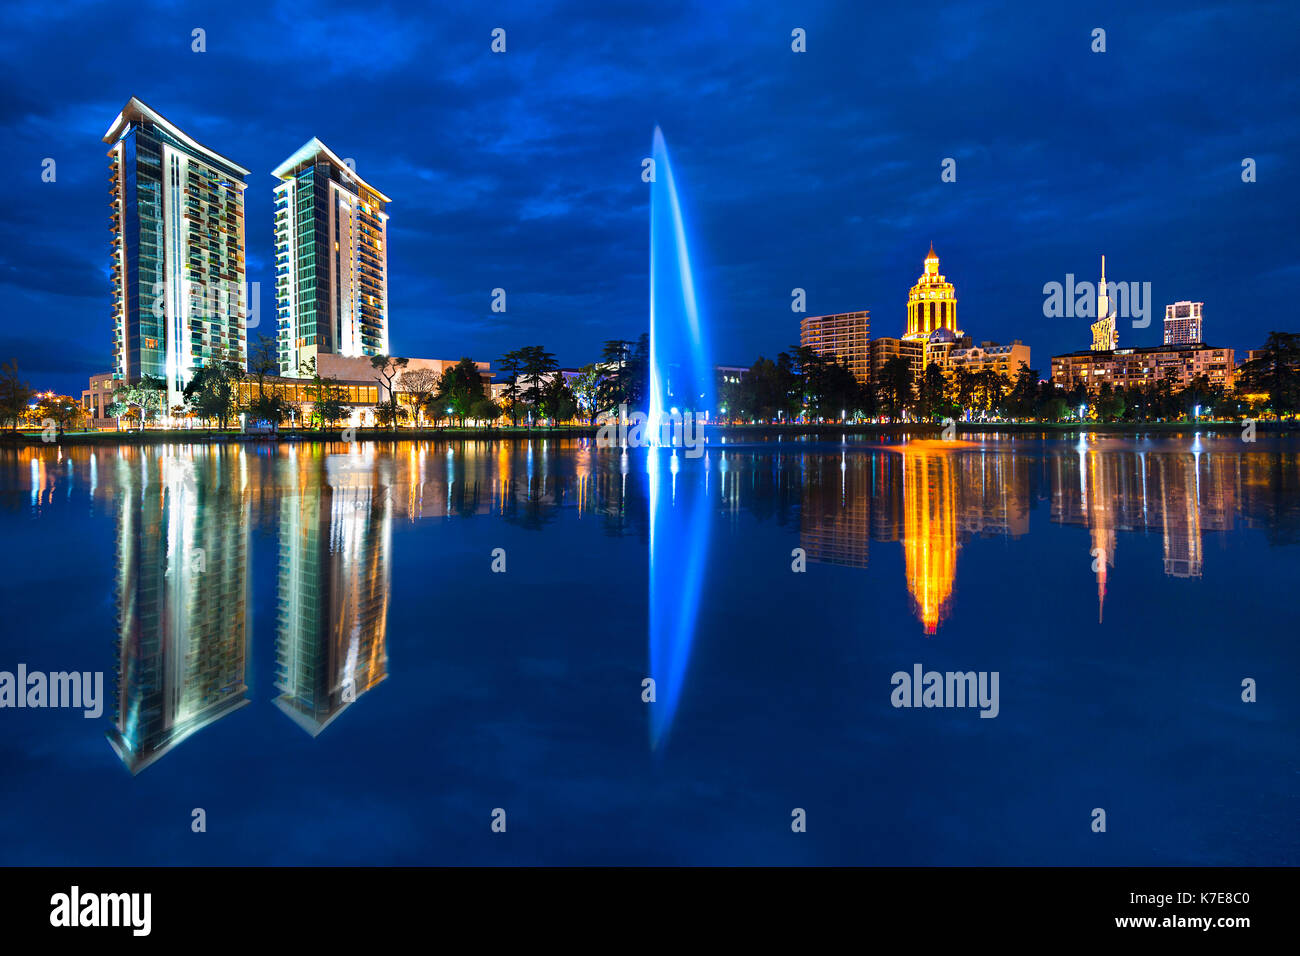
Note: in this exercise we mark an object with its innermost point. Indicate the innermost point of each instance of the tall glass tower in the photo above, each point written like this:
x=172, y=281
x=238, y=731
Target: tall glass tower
x=331, y=259
x=179, y=299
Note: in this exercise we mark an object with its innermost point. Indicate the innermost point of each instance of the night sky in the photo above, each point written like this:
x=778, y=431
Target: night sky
x=818, y=170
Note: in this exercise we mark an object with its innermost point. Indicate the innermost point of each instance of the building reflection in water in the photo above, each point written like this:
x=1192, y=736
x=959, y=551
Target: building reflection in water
x=929, y=530
x=184, y=517
x=1110, y=487
x=335, y=537
x=928, y=496
x=932, y=496
x=182, y=596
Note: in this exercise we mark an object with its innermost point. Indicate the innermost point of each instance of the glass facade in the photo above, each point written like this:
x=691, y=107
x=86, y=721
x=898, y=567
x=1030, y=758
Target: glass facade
x=178, y=252
x=331, y=260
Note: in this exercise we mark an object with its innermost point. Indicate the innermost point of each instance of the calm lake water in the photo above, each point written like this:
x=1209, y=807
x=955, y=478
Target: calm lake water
x=310, y=643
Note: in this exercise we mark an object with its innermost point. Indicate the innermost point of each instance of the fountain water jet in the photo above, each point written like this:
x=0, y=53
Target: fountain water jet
x=681, y=382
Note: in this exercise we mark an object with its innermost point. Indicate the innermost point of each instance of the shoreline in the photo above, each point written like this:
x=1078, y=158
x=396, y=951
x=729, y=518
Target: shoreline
x=497, y=433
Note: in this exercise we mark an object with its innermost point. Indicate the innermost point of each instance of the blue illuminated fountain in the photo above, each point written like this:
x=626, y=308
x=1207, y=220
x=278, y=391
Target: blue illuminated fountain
x=681, y=382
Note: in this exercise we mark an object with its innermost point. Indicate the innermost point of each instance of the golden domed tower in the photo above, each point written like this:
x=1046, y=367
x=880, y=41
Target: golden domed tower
x=931, y=303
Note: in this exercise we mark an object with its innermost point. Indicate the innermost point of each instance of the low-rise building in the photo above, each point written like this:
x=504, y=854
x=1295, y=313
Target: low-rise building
x=989, y=356
x=359, y=398
x=96, y=399
x=1145, y=365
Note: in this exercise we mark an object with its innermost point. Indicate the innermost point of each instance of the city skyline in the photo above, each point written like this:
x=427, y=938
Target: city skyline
x=522, y=171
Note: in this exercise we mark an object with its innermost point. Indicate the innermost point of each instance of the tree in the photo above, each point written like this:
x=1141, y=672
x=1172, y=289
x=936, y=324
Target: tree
x=307, y=369
x=263, y=362
x=272, y=409
x=810, y=374
x=932, y=393
x=1201, y=394
x=510, y=365
x=586, y=390
x=1022, y=400
x=964, y=387
x=147, y=395
x=762, y=393
x=1276, y=371
x=991, y=386
x=212, y=393
x=537, y=364
x=330, y=408
x=639, y=371
x=388, y=366
x=1109, y=405
x=485, y=410
x=558, y=400
x=895, y=390
x=420, y=384
x=14, y=395
x=615, y=386
x=459, y=388
x=64, y=410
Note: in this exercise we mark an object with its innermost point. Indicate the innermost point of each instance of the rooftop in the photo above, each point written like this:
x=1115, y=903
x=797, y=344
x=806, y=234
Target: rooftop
x=137, y=111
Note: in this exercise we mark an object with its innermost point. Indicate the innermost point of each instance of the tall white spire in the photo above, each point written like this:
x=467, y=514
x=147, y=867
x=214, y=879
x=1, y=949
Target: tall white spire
x=1103, y=299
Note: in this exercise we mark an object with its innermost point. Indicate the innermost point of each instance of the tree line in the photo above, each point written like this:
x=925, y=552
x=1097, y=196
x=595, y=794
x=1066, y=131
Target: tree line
x=535, y=390
x=799, y=385
x=802, y=385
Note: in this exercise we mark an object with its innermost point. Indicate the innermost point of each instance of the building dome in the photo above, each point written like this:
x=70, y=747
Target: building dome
x=942, y=335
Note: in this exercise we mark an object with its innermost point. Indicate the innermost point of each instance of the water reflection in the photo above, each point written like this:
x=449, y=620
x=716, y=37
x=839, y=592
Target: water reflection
x=182, y=599
x=184, y=515
x=931, y=498
x=335, y=536
x=679, y=546
x=184, y=518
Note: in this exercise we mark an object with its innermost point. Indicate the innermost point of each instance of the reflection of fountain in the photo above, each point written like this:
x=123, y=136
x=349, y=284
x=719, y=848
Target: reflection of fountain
x=681, y=379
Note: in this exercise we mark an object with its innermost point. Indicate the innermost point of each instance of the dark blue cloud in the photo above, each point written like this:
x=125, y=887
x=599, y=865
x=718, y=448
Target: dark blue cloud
x=817, y=170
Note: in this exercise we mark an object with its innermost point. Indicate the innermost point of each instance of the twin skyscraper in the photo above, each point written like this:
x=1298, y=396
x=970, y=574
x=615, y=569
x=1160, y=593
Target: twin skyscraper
x=181, y=298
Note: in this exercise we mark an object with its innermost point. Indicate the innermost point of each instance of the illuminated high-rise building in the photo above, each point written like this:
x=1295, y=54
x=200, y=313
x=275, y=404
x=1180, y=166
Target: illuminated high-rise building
x=1183, y=323
x=844, y=337
x=331, y=260
x=182, y=598
x=931, y=303
x=179, y=300
x=1105, y=334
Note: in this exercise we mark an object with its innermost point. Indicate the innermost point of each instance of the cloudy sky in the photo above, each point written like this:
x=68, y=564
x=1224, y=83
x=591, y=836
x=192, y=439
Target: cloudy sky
x=818, y=170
